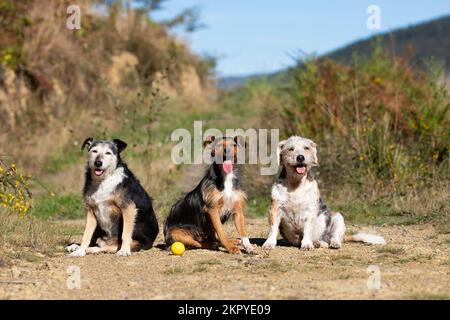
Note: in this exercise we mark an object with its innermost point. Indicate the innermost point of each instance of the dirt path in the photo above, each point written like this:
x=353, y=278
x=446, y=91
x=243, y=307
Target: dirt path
x=414, y=264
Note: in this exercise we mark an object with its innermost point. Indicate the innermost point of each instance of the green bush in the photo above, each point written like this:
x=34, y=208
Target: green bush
x=377, y=120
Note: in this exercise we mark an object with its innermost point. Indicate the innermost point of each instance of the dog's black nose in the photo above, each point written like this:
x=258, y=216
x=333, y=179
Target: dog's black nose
x=300, y=158
x=98, y=163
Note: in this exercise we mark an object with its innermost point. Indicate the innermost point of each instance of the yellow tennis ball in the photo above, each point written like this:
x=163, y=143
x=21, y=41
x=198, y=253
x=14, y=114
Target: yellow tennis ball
x=177, y=248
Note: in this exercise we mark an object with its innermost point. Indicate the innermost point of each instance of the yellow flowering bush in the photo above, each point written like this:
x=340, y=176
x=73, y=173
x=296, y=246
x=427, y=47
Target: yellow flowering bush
x=14, y=193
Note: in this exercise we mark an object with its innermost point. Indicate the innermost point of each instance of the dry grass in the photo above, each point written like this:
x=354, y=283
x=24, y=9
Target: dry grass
x=27, y=238
x=68, y=84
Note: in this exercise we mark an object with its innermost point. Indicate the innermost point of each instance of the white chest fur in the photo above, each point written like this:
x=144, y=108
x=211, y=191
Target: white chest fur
x=108, y=186
x=299, y=204
x=99, y=199
x=230, y=195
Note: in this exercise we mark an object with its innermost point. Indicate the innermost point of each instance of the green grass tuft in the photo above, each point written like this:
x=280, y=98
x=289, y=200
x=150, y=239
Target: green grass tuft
x=378, y=213
x=62, y=159
x=69, y=206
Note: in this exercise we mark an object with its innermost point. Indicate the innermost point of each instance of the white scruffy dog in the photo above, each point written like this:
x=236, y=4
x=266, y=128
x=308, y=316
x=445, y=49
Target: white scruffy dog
x=297, y=209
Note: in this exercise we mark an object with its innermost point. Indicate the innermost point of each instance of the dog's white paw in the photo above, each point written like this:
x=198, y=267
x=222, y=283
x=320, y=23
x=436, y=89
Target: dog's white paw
x=80, y=252
x=270, y=244
x=124, y=253
x=250, y=248
x=335, y=244
x=307, y=245
x=93, y=250
x=72, y=247
x=320, y=244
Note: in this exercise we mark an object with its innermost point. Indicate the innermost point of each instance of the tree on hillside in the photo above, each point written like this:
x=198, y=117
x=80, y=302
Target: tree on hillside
x=187, y=19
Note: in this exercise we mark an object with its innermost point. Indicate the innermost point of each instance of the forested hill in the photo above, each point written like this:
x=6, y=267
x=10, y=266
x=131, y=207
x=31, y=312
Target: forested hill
x=418, y=42
x=421, y=41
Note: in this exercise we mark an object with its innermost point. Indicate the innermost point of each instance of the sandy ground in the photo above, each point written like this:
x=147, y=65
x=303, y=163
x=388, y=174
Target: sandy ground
x=414, y=264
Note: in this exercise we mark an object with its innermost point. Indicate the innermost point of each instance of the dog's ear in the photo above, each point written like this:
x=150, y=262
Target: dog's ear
x=121, y=145
x=88, y=142
x=280, y=148
x=313, y=146
x=240, y=141
x=208, y=141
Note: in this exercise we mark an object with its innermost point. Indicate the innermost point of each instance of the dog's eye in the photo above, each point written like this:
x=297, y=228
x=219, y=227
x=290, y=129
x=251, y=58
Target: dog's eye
x=94, y=151
x=306, y=148
x=108, y=153
x=291, y=149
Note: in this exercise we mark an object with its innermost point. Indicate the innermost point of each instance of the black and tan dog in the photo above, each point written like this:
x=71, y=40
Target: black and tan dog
x=198, y=216
x=119, y=210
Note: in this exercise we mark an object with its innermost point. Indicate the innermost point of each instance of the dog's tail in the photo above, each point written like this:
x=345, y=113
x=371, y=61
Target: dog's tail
x=366, y=238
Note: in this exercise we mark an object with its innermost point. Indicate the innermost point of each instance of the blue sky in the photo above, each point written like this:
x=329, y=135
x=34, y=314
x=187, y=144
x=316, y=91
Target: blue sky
x=253, y=36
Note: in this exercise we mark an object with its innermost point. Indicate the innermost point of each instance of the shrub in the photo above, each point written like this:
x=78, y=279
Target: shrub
x=14, y=193
x=376, y=120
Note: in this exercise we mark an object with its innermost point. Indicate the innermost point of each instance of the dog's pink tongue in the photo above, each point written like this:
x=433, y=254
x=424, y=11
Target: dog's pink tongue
x=300, y=170
x=227, y=166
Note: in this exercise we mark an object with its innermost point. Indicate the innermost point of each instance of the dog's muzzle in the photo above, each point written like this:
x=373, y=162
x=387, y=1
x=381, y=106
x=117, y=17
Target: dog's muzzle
x=300, y=168
x=97, y=171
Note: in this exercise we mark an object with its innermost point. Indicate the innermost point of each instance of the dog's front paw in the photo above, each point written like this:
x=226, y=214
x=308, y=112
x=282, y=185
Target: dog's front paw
x=80, y=252
x=270, y=244
x=233, y=249
x=73, y=247
x=335, y=244
x=124, y=253
x=250, y=248
x=307, y=245
x=235, y=242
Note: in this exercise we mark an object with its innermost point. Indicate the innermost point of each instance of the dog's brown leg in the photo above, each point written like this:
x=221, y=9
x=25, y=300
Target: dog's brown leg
x=108, y=246
x=128, y=214
x=238, y=218
x=107, y=249
x=239, y=222
x=214, y=216
x=91, y=224
x=185, y=238
x=112, y=247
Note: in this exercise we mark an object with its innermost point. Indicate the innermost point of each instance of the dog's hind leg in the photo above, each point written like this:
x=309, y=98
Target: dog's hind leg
x=112, y=248
x=105, y=249
x=337, y=230
x=108, y=246
x=320, y=244
x=185, y=237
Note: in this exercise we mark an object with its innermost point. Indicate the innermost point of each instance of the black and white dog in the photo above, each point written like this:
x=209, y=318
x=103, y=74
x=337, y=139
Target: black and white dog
x=119, y=211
